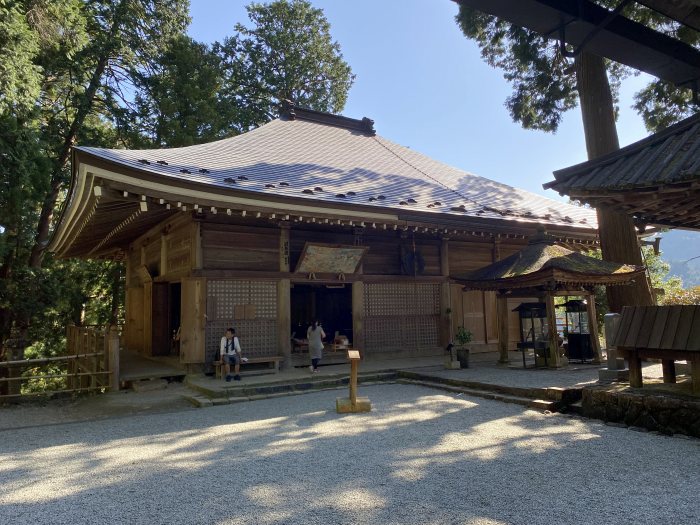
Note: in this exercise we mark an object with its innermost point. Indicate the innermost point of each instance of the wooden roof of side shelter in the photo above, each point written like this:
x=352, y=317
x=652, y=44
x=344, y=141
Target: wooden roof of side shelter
x=656, y=180
x=305, y=166
x=543, y=264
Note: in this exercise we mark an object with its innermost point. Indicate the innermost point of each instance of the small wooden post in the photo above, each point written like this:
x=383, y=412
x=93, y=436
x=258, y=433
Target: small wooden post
x=593, y=328
x=635, y=364
x=669, y=370
x=353, y=403
x=112, y=347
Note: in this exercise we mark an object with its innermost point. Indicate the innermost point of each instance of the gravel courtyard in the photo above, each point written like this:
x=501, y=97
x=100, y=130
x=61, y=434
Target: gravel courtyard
x=422, y=456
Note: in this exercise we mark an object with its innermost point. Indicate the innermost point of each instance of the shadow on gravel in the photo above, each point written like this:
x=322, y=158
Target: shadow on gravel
x=421, y=456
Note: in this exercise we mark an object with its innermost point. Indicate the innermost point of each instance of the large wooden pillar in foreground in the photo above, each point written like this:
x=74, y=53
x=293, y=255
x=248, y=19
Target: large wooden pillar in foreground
x=618, y=237
x=194, y=299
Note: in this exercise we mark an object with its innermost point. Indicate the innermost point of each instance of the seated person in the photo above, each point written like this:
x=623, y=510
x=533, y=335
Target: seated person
x=231, y=354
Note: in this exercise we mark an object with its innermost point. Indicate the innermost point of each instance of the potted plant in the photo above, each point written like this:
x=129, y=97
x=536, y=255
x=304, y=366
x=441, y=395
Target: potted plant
x=462, y=337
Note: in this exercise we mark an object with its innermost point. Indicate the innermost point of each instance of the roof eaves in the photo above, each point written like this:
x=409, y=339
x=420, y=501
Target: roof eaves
x=565, y=174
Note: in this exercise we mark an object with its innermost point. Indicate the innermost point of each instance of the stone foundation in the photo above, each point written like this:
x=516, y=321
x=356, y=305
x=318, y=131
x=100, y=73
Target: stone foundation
x=667, y=413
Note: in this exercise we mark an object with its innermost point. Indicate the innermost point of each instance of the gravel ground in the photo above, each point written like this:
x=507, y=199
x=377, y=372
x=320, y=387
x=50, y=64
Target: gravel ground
x=421, y=456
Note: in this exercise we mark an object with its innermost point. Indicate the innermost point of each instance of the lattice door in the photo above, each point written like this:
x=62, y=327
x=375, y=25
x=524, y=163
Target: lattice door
x=401, y=316
x=258, y=334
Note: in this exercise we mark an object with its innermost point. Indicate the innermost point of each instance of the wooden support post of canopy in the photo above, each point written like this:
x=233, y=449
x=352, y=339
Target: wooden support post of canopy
x=554, y=357
x=593, y=329
x=353, y=404
x=502, y=313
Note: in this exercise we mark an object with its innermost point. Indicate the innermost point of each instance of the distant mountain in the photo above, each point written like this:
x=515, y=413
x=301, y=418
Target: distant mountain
x=681, y=249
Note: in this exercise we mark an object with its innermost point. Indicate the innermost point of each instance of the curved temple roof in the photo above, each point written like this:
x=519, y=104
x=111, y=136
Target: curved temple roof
x=308, y=158
x=543, y=263
x=656, y=180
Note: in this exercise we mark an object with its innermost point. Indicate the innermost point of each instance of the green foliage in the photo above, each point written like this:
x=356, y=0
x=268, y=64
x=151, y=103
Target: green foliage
x=682, y=296
x=543, y=81
x=288, y=54
x=463, y=336
x=178, y=104
x=123, y=73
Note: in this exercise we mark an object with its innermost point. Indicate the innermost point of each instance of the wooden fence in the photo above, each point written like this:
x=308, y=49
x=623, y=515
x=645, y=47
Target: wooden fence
x=91, y=363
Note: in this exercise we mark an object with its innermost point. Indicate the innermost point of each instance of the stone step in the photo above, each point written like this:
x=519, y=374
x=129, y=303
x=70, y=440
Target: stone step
x=486, y=394
x=148, y=385
x=198, y=400
x=231, y=392
x=532, y=393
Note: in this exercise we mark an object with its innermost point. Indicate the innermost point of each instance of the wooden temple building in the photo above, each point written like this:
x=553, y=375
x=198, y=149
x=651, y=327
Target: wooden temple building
x=309, y=216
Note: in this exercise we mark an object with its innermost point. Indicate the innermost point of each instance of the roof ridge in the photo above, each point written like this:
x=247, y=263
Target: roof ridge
x=438, y=181
x=292, y=112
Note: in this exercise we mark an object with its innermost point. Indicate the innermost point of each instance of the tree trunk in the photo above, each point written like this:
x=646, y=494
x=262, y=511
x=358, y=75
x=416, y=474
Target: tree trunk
x=49, y=204
x=618, y=237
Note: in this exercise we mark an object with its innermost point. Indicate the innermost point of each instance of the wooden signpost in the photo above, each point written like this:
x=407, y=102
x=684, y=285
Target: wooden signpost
x=353, y=403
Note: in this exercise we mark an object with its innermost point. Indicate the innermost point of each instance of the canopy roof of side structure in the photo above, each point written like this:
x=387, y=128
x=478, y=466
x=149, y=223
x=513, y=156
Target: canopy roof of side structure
x=544, y=264
x=583, y=24
x=656, y=180
x=305, y=166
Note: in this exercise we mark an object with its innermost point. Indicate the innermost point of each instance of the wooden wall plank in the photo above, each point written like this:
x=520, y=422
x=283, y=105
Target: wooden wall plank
x=255, y=249
x=680, y=341
x=659, y=327
x=637, y=318
x=490, y=310
x=674, y=317
x=469, y=256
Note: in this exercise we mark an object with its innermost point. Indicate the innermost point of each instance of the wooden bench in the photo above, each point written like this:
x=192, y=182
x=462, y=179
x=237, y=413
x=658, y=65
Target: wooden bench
x=273, y=360
x=669, y=333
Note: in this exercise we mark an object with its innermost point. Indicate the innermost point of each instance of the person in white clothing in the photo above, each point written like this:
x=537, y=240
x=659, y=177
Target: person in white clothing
x=315, y=336
x=231, y=354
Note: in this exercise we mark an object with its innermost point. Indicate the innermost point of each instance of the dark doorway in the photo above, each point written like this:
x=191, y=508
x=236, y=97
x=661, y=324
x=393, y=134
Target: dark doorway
x=330, y=304
x=160, y=325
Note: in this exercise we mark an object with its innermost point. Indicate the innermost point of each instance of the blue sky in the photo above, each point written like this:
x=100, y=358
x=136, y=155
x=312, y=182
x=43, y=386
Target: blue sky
x=426, y=87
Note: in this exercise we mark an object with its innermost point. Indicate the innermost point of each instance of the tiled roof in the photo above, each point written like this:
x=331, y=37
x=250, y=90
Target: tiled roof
x=655, y=180
x=669, y=157
x=308, y=159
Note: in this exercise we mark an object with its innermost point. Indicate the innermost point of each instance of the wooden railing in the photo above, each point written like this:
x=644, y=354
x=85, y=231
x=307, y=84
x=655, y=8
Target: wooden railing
x=91, y=363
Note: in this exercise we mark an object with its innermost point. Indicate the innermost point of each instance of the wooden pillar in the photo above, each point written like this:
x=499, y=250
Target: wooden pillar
x=196, y=253
x=163, y=254
x=593, y=328
x=358, y=315
x=502, y=314
x=284, y=247
x=669, y=370
x=554, y=356
x=695, y=373
x=193, y=320
x=147, y=343
x=284, y=313
x=446, y=329
x=284, y=321
x=635, y=365
x=112, y=361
